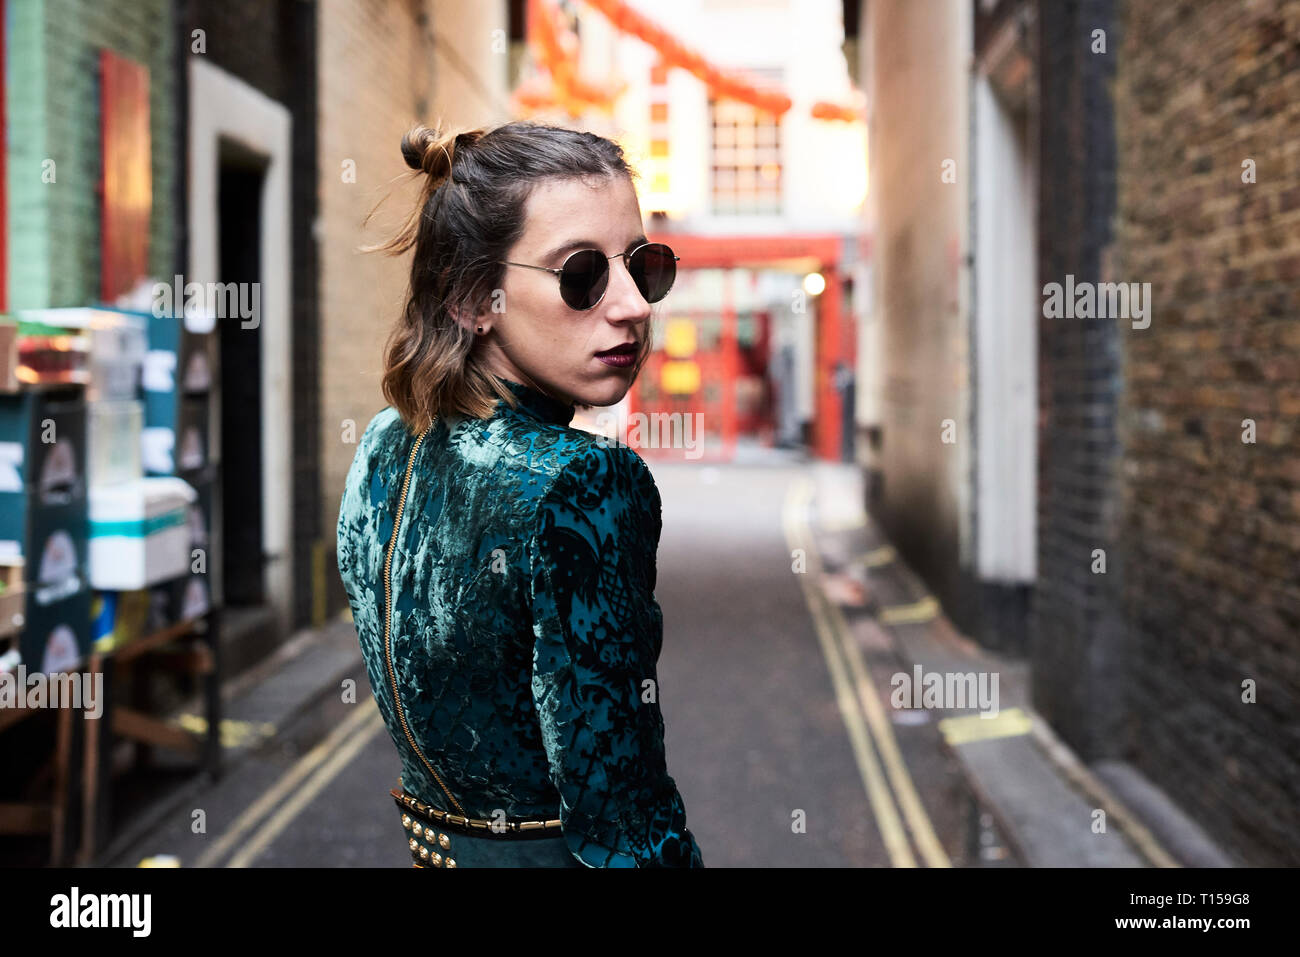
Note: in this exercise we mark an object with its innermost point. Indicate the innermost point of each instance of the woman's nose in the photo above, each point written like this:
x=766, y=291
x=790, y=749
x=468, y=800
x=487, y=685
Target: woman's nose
x=625, y=297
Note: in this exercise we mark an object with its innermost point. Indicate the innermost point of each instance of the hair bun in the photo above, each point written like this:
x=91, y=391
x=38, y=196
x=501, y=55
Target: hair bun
x=431, y=151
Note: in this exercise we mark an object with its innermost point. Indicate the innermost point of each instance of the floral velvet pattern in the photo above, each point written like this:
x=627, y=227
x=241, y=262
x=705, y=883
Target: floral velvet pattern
x=525, y=631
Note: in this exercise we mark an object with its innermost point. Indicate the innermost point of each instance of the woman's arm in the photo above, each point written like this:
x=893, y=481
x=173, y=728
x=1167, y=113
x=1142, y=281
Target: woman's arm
x=598, y=631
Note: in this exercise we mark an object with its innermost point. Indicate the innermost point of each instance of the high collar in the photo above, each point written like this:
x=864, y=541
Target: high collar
x=538, y=405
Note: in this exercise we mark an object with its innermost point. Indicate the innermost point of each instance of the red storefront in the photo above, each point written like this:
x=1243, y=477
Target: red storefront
x=725, y=364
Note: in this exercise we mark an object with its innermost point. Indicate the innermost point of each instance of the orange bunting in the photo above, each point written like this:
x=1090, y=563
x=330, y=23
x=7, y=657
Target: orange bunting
x=730, y=85
x=556, y=49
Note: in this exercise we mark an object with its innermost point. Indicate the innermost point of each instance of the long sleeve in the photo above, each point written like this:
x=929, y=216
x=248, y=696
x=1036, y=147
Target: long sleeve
x=598, y=631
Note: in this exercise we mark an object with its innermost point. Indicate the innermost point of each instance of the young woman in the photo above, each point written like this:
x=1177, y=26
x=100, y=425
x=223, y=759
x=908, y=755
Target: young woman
x=500, y=565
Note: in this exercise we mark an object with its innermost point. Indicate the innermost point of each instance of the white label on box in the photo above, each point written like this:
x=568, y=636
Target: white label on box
x=156, y=446
x=58, y=559
x=11, y=459
x=61, y=653
x=159, y=373
x=10, y=551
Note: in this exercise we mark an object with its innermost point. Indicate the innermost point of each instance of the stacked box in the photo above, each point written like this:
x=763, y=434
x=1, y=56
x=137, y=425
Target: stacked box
x=140, y=532
x=56, y=636
x=189, y=595
x=177, y=384
x=43, y=519
x=115, y=344
x=181, y=599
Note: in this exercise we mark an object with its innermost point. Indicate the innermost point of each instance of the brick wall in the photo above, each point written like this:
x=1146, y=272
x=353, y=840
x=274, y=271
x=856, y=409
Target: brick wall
x=1211, y=523
x=381, y=70
x=52, y=90
x=1077, y=644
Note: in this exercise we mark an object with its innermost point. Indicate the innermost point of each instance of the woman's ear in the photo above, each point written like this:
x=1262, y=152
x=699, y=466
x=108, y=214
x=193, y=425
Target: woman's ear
x=470, y=321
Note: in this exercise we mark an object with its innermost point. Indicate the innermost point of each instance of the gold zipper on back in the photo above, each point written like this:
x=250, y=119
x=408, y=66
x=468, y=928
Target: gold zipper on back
x=388, y=619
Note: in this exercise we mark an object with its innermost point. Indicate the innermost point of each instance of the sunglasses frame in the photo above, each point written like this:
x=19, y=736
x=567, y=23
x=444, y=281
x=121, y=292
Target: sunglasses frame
x=627, y=264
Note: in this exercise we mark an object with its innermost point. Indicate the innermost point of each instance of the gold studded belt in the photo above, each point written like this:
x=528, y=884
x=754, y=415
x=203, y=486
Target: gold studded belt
x=430, y=829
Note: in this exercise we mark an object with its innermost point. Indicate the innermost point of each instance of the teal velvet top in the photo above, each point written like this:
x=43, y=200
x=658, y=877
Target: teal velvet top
x=525, y=630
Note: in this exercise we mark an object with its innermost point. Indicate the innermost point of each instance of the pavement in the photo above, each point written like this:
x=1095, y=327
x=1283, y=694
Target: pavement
x=1054, y=810
x=1023, y=797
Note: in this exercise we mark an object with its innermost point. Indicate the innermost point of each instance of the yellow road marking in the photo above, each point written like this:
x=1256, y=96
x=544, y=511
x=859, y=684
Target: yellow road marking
x=879, y=728
x=287, y=782
x=973, y=727
x=883, y=734
x=234, y=734
x=882, y=805
x=878, y=557
x=856, y=696
x=927, y=609
x=307, y=793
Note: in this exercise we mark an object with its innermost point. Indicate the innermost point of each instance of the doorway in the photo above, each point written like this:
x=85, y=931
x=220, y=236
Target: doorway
x=240, y=178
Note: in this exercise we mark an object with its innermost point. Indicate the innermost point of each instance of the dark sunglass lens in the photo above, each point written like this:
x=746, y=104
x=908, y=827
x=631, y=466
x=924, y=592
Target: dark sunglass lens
x=583, y=281
x=654, y=269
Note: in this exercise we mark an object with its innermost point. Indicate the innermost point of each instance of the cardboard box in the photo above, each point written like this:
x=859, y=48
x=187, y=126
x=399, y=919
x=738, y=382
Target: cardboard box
x=114, y=340
x=181, y=599
x=195, y=364
x=201, y=508
x=192, y=434
x=43, y=444
x=139, y=532
x=56, y=636
x=55, y=553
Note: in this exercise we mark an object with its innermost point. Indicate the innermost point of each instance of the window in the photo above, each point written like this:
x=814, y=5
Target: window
x=746, y=160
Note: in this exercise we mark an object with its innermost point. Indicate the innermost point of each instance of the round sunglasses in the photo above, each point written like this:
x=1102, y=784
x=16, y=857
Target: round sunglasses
x=584, y=277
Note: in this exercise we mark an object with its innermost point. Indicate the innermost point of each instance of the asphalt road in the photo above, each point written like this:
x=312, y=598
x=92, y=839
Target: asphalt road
x=775, y=757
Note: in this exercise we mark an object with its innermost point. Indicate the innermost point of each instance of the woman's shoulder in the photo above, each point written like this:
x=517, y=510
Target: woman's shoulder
x=598, y=460
x=561, y=455
x=376, y=445
x=601, y=476
x=383, y=421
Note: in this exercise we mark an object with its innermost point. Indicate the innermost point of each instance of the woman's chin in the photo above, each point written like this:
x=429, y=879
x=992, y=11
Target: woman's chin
x=604, y=394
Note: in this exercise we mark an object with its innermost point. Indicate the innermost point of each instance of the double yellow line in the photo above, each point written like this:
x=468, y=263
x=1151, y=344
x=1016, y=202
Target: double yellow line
x=289, y=795
x=860, y=706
